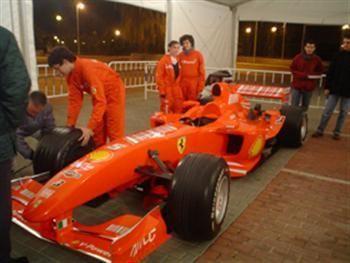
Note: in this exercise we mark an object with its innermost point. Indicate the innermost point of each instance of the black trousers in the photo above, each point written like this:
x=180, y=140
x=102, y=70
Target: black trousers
x=5, y=210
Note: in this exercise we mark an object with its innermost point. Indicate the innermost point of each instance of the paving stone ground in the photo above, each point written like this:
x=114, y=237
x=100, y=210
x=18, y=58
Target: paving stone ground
x=302, y=216
x=243, y=193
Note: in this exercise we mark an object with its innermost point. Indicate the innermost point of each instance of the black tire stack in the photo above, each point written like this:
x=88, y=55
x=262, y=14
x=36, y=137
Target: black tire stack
x=58, y=149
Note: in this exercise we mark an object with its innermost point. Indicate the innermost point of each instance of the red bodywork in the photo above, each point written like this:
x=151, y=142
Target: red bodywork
x=46, y=210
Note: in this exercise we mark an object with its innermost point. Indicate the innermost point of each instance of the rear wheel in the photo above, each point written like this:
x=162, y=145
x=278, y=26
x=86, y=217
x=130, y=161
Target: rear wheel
x=58, y=149
x=295, y=127
x=199, y=197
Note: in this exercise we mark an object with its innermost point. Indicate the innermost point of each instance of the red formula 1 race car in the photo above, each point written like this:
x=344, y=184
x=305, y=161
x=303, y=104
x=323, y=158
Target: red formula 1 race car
x=183, y=163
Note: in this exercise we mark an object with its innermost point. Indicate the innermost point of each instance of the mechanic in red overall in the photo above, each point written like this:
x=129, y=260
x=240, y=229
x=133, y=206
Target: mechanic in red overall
x=192, y=67
x=168, y=76
x=105, y=87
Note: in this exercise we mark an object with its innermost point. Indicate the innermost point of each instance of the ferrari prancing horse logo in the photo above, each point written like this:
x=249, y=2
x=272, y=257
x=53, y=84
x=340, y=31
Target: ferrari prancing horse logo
x=181, y=144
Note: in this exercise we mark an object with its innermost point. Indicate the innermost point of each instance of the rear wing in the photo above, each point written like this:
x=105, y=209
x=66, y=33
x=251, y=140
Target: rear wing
x=268, y=92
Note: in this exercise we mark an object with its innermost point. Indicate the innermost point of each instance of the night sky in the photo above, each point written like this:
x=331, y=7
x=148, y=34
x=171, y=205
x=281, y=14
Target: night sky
x=142, y=30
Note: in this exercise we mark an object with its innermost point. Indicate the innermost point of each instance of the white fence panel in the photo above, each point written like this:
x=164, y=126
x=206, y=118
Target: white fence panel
x=133, y=74
x=137, y=74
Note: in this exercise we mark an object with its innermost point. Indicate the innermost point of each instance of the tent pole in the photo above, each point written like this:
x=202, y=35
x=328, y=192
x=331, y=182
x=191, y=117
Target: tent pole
x=255, y=40
x=169, y=25
x=234, y=36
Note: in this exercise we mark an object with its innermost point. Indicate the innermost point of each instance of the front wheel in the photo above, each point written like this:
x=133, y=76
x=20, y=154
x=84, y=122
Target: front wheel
x=295, y=127
x=199, y=197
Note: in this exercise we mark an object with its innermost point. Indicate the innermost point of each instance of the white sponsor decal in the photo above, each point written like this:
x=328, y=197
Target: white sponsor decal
x=85, y=166
x=58, y=183
x=233, y=116
x=131, y=140
x=116, y=146
x=189, y=61
x=72, y=174
x=149, y=238
x=27, y=193
x=37, y=203
x=118, y=229
x=92, y=248
x=47, y=192
x=233, y=98
x=157, y=132
x=165, y=128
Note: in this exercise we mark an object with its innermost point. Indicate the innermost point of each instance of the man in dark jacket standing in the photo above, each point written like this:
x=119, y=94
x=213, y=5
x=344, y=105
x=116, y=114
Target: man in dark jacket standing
x=337, y=89
x=14, y=87
x=306, y=67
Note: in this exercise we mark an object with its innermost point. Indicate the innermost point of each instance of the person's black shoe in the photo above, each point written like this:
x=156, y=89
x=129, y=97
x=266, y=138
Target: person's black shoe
x=336, y=137
x=317, y=134
x=19, y=260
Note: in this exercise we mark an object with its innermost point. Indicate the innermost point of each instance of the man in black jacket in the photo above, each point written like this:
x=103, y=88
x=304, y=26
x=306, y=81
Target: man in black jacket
x=337, y=89
x=14, y=87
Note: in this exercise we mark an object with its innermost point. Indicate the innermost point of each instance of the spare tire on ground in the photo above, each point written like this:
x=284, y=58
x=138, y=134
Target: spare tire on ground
x=199, y=197
x=58, y=149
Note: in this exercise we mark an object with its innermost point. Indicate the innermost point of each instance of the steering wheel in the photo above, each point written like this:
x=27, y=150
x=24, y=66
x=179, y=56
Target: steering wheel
x=187, y=120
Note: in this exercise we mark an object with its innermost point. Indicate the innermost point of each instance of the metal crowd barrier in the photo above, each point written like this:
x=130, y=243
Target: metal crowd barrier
x=136, y=74
x=247, y=76
x=132, y=73
x=50, y=83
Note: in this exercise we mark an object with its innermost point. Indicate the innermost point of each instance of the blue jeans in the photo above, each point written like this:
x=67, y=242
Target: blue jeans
x=328, y=111
x=301, y=97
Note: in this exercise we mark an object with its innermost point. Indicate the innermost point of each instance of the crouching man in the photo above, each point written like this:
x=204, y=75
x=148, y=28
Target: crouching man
x=39, y=121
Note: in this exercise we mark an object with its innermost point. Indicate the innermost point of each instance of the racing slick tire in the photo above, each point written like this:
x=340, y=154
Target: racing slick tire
x=58, y=149
x=199, y=197
x=295, y=127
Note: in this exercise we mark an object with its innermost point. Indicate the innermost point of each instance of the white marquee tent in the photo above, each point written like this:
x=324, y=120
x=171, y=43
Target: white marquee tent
x=213, y=23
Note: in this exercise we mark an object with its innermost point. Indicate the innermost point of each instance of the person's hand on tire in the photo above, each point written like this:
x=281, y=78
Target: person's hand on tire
x=86, y=135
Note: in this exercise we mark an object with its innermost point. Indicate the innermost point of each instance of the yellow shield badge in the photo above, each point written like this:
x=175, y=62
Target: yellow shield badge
x=256, y=147
x=100, y=156
x=181, y=144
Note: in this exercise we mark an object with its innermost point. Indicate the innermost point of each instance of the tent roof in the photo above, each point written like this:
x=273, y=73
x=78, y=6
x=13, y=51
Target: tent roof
x=229, y=3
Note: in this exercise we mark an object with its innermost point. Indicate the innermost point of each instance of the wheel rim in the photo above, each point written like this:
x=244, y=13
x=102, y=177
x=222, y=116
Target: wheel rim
x=303, y=129
x=222, y=199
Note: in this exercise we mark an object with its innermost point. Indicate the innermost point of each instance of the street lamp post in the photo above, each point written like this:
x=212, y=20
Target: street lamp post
x=78, y=7
x=58, y=19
